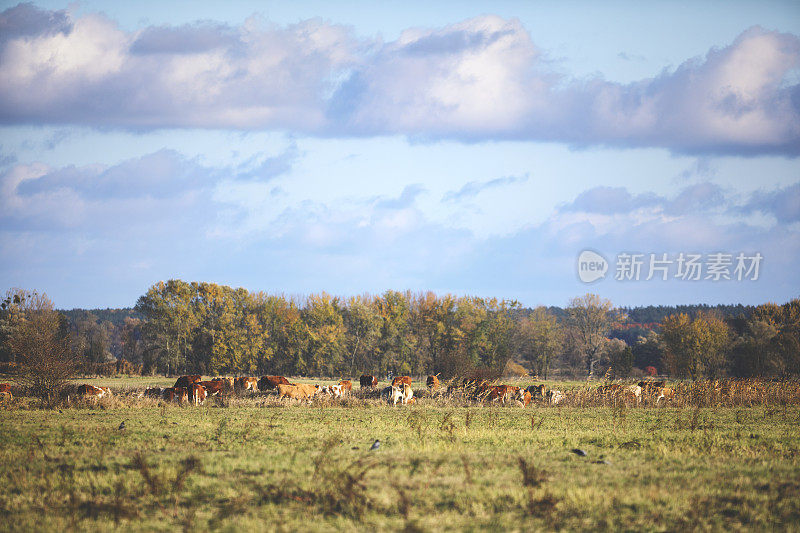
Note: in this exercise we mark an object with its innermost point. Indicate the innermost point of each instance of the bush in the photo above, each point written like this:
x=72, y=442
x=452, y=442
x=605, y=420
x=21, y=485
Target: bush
x=39, y=340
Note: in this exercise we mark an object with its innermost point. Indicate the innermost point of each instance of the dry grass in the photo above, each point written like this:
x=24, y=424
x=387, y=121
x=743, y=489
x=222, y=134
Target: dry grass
x=704, y=394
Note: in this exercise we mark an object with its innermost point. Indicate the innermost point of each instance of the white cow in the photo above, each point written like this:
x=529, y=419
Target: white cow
x=554, y=397
x=402, y=393
x=333, y=390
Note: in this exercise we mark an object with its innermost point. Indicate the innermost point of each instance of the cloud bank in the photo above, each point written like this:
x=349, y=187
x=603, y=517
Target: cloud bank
x=480, y=79
x=139, y=220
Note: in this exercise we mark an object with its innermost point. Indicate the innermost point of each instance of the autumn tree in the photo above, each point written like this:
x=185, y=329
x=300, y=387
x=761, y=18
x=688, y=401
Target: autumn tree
x=539, y=339
x=325, y=344
x=620, y=358
x=39, y=341
x=395, y=347
x=695, y=348
x=770, y=342
x=131, y=340
x=647, y=350
x=362, y=332
x=170, y=325
x=589, y=319
x=91, y=340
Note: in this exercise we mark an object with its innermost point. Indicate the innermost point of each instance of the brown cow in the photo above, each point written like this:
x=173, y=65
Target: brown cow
x=245, y=383
x=523, y=396
x=90, y=391
x=346, y=386
x=651, y=390
x=667, y=393
x=271, y=382
x=298, y=392
x=185, y=381
x=499, y=392
x=213, y=388
x=537, y=392
x=368, y=381
x=227, y=383
x=401, y=380
x=197, y=393
x=432, y=382
x=5, y=387
x=177, y=394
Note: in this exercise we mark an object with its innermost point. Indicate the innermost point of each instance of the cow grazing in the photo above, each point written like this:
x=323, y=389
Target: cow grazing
x=153, y=392
x=185, y=381
x=332, y=390
x=297, y=392
x=651, y=389
x=243, y=384
x=432, y=382
x=537, y=392
x=227, y=383
x=213, y=388
x=400, y=380
x=401, y=393
x=499, y=392
x=197, y=394
x=92, y=392
x=386, y=394
x=522, y=396
x=620, y=392
x=634, y=392
x=6, y=397
x=368, y=381
x=271, y=382
x=176, y=394
x=346, y=386
x=667, y=393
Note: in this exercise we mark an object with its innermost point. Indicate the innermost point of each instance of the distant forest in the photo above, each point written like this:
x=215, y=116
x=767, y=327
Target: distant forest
x=179, y=327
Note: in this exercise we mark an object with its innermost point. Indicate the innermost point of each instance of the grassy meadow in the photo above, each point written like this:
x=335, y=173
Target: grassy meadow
x=252, y=463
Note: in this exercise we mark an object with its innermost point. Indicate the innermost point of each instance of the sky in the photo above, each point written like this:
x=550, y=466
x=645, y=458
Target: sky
x=533, y=151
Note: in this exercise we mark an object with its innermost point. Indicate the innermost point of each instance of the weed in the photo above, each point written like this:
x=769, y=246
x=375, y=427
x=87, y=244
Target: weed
x=531, y=475
x=223, y=423
x=542, y=506
x=448, y=426
x=696, y=420
x=158, y=484
x=419, y=425
x=467, y=471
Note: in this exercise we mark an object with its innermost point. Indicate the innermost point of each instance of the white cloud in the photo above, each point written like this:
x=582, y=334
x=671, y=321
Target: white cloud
x=480, y=79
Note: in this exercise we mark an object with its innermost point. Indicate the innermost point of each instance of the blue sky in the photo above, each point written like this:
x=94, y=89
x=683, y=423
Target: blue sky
x=464, y=147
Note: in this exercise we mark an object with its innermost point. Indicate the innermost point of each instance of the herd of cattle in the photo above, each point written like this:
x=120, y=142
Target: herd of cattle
x=193, y=390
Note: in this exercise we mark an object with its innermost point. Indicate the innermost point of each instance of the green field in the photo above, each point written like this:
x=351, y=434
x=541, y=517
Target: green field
x=250, y=463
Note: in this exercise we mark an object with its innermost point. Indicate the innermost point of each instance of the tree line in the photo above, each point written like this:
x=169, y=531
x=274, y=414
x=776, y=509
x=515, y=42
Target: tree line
x=195, y=327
